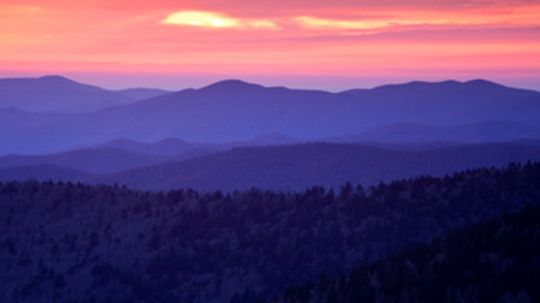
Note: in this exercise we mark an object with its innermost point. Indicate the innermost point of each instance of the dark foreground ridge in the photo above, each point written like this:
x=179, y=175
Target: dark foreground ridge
x=491, y=262
x=66, y=242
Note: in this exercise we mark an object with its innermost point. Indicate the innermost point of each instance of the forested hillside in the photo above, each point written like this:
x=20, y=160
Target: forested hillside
x=66, y=242
x=492, y=262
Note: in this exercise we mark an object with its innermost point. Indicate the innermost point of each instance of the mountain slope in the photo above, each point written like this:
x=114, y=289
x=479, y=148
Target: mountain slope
x=228, y=111
x=98, y=161
x=487, y=131
x=491, y=262
x=74, y=242
x=175, y=147
x=234, y=109
x=286, y=167
x=142, y=93
x=56, y=94
x=165, y=147
x=450, y=102
x=294, y=167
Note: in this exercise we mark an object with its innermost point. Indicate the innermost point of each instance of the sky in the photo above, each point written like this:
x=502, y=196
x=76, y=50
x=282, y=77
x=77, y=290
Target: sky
x=329, y=45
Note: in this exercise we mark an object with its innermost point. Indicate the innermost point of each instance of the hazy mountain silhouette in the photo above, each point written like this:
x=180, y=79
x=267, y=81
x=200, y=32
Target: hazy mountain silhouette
x=179, y=147
x=234, y=111
x=60, y=94
x=292, y=167
x=266, y=139
x=487, y=131
x=450, y=102
x=168, y=146
x=102, y=160
x=55, y=93
x=284, y=167
x=142, y=93
x=123, y=154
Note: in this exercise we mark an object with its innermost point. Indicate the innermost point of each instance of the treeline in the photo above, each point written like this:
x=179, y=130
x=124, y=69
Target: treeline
x=65, y=242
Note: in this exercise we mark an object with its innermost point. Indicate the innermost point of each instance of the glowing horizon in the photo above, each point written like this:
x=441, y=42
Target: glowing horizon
x=301, y=43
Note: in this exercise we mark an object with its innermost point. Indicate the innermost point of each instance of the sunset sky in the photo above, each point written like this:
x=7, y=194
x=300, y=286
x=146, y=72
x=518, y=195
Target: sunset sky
x=325, y=44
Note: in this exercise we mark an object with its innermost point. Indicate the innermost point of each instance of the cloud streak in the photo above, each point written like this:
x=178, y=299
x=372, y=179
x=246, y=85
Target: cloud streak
x=215, y=20
x=370, y=20
x=522, y=16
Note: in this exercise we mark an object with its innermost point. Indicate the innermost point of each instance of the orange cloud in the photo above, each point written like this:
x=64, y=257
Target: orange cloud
x=216, y=20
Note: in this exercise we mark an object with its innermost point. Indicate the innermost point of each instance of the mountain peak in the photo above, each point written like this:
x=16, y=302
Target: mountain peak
x=231, y=84
x=55, y=78
x=429, y=83
x=475, y=83
x=482, y=83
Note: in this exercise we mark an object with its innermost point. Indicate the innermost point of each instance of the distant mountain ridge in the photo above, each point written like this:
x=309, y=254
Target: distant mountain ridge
x=123, y=154
x=142, y=93
x=91, y=160
x=162, y=147
x=60, y=94
x=175, y=146
x=284, y=167
x=486, y=131
x=300, y=166
x=233, y=110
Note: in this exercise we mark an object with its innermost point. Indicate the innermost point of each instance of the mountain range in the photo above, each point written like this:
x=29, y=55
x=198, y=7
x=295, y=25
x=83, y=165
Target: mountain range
x=284, y=167
x=240, y=193
x=233, y=110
